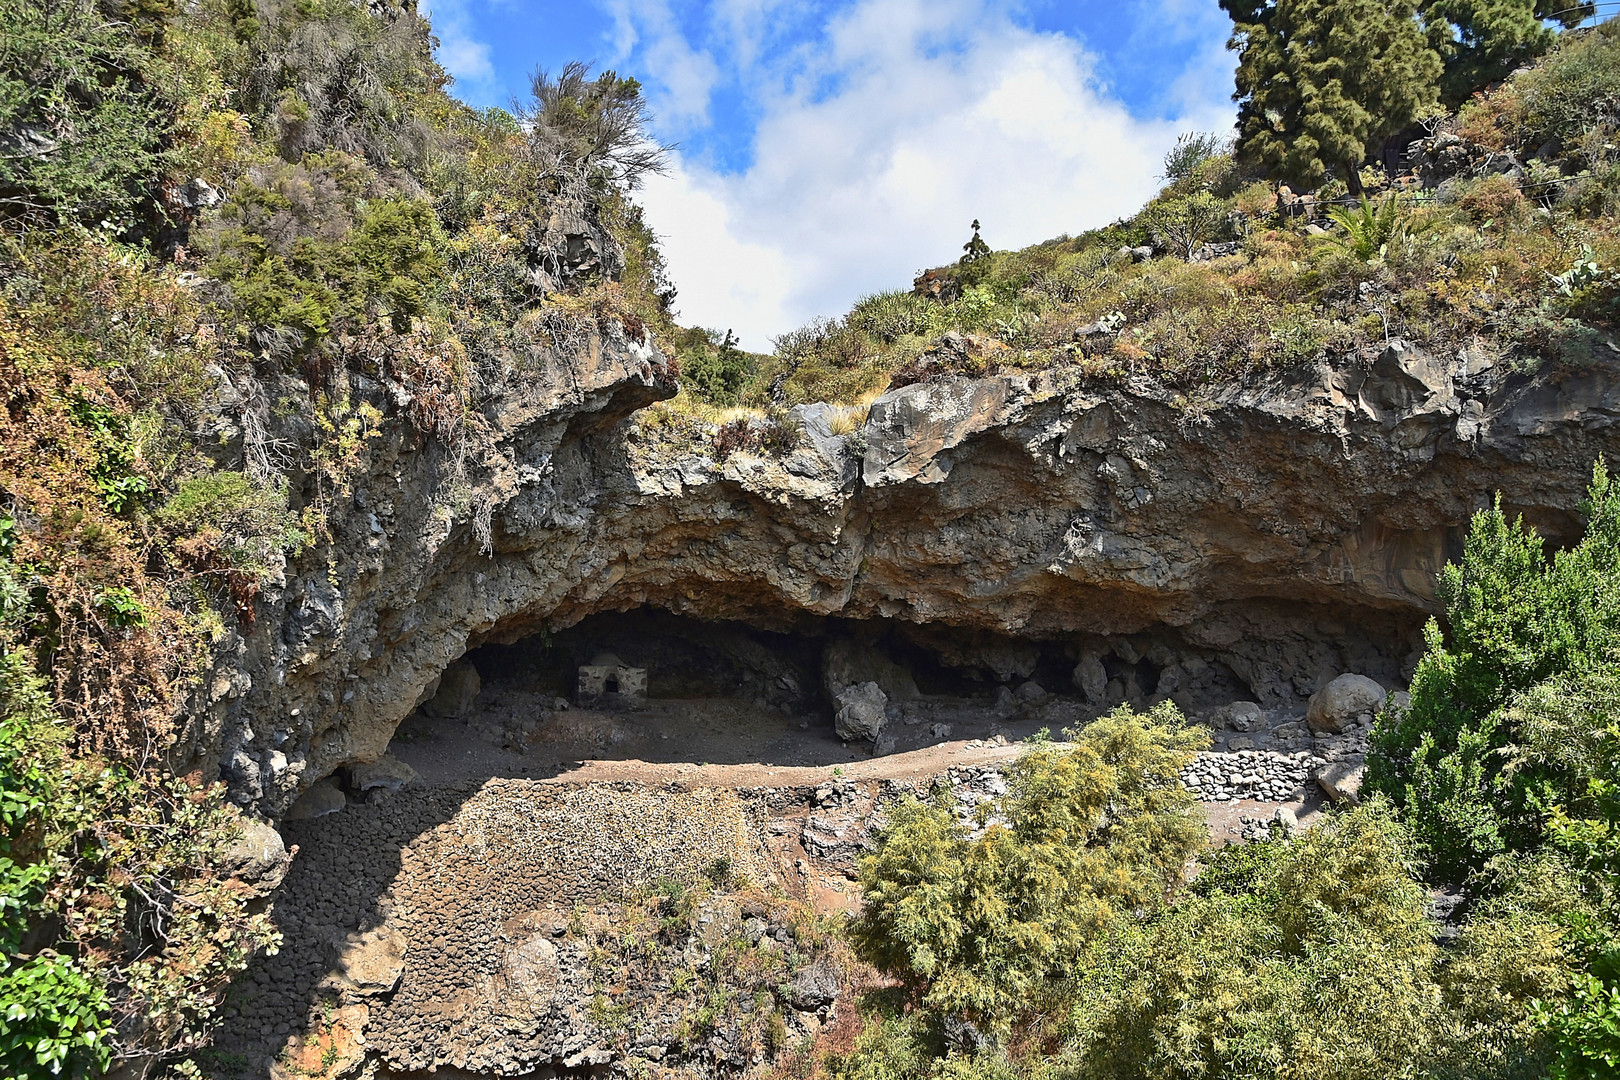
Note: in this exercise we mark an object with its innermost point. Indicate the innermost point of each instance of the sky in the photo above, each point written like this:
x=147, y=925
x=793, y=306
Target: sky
x=829, y=149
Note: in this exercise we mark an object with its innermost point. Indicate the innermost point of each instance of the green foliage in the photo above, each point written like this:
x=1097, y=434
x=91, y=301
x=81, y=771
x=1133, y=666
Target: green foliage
x=1515, y=619
x=1319, y=82
x=53, y=1020
x=596, y=126
x=1192, y=150
x=889, y=317
x=246, y=521
x=325, y=75
x=1326, y=963
x=713, y=366
x=1239, y=869
x=82, y=127
x=1185, y=224
x=975, y=249
x=978, y=919
x=285, y=268
x=111, y=899
x=1556, y=97
x=1586, y=1031
x=1482, y=41
x=1371, y=228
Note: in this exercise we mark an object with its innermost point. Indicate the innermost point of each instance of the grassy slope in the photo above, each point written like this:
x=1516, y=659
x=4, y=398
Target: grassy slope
x=1497, y=263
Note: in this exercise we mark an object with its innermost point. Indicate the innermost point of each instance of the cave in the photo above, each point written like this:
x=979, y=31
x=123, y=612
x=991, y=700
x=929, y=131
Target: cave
x=647, y=685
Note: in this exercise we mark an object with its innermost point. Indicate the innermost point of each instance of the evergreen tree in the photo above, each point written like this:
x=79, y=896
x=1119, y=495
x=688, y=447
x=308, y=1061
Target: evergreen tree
x=1484, y=40
x=1319, y=82
x=975, y=249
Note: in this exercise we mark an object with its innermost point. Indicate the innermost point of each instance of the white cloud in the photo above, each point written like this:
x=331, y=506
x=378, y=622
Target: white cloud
x=939, y=113
x=463, y=56
x=687, y=75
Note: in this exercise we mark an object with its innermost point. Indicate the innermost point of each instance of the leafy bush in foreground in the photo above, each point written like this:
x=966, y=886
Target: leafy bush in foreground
x=976, y=919
x=1515, y=619
x=1327, y=963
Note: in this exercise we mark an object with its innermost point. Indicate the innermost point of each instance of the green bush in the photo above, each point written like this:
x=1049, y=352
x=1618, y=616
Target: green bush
x=83, y=131
x=54, y=1019
x=112, y=900
x=1559, y=94
x=978, y=919
x=1514, y=619
x=1326, y=965
x=246, y=520
x=301, y=250
x=1185, y=224
x=713, y=366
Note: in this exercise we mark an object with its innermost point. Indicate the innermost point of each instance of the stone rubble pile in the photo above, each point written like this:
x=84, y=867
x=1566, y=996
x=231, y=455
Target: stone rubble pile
x=1251, y=774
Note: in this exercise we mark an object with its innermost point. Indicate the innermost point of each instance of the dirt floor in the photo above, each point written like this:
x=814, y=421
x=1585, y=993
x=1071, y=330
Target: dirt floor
x=725, y=743
x=709, y=742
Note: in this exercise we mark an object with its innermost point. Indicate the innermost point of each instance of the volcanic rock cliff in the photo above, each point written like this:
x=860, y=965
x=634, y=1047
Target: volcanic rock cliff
x=1280, y=531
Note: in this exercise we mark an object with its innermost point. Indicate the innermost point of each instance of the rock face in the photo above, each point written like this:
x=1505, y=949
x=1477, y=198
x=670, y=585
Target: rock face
x=1262, y=539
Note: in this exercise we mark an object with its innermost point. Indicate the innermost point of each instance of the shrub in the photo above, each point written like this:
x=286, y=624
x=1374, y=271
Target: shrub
x=112, y=900
x=1371, y=229
x=245, y=521
x=1559, y=94
x=976, y=920
x=83, y=128
x=1184, y=225
x=1192, y=150
x=1325, y=962
x=713, y=366
x=1515, y=619
x=301, y=249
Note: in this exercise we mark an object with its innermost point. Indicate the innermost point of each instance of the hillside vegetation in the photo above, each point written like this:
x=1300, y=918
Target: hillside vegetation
x=269, y=200
x=1058, y=935
x=1500, y=236
x=211, y=201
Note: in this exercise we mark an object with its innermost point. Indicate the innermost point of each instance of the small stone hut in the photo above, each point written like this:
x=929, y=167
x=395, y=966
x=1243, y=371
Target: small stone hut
x=607, y=678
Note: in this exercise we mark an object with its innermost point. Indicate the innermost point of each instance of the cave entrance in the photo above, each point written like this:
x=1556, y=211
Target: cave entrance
x=631, y=694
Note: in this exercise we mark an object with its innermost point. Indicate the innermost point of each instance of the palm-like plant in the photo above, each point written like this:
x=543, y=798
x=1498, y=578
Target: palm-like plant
x=1370, y=228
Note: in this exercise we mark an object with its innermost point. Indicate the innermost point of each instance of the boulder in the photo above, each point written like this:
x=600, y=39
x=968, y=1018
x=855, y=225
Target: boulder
x=387, y=772
x=1344, y=702
x=861, y=711
x=258, y=858
x=322, y=798
x=1243, y=716
x=1031, y=692
x=814, y=987
x=1341, y=779
x=458, y=690
x=370, y=962
x=1091, y=679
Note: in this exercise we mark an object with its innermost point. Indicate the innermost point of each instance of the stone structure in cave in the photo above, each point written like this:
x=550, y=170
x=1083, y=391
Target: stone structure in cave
x=607, y=680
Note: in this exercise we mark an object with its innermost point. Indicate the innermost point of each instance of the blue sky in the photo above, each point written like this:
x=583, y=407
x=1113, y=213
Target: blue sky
x=831, y=149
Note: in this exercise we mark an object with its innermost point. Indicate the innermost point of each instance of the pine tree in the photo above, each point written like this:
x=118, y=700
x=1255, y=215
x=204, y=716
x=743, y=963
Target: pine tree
x=975, y=249
x=1320, y=81
x=1483, y=40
